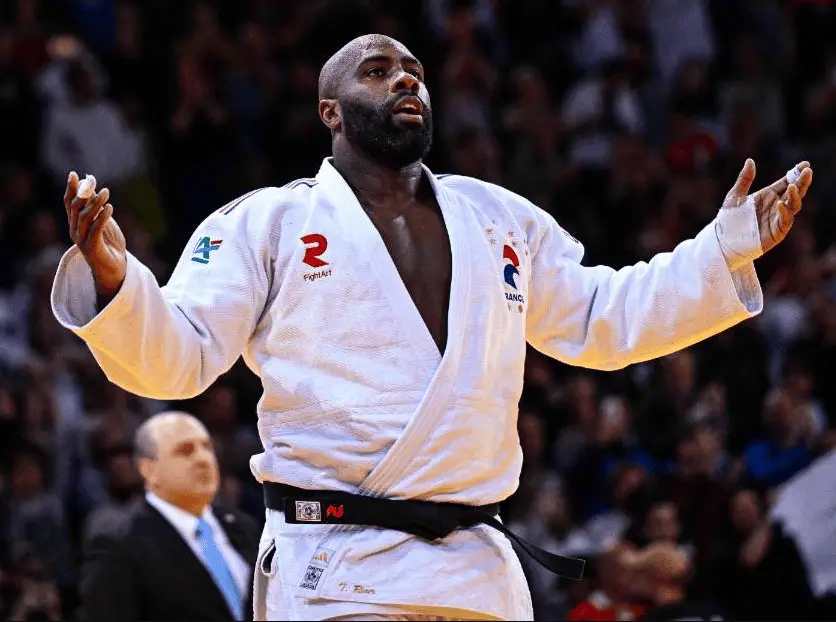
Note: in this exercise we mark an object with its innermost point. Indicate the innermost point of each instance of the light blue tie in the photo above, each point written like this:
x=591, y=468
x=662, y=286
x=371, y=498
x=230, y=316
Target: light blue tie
x=219, y=569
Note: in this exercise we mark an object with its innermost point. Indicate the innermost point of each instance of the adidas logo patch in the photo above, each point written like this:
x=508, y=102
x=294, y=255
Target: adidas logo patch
x=322, y=556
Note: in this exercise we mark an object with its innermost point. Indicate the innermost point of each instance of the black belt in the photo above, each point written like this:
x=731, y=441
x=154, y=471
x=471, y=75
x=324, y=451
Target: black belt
x=424, y=519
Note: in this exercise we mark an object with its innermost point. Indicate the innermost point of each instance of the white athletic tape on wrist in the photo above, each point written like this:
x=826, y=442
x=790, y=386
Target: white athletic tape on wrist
x=738, y=234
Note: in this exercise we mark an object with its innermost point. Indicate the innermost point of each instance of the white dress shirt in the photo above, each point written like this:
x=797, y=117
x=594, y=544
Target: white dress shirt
x=186, y=525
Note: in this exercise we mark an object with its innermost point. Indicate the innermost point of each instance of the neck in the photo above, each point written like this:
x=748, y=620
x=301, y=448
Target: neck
x=191, y=505
x=375, y=183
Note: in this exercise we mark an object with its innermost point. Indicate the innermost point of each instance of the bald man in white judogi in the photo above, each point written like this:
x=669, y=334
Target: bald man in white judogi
x=313, y=283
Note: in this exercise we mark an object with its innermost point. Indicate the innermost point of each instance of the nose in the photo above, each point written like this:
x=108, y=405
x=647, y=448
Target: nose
x=204, y=457
x=405, y=82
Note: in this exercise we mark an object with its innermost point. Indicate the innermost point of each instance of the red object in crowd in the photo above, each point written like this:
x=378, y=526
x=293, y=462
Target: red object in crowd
x=691, y=153
x=608, y=612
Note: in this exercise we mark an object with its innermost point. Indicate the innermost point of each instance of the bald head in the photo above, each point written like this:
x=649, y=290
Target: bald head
x=373, y=99
x=148, y=434
x=177, y=461
x=343, y=62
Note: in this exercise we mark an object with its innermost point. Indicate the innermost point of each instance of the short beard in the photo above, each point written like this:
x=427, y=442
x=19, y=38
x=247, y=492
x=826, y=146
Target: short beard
x=372, y=129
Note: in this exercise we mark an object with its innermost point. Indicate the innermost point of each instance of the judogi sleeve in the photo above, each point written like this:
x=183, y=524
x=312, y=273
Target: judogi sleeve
x=172, y=342
x=601, y=318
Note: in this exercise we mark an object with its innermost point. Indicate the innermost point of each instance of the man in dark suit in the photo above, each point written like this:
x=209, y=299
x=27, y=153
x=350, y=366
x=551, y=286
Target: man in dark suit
x=176, y=557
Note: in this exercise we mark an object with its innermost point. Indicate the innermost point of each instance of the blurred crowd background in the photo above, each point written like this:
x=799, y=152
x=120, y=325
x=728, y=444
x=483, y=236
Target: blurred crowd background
x=626, y=119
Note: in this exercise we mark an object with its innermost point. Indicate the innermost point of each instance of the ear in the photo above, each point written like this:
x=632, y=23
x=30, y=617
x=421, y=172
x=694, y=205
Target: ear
x=146, y=470
x=329, y=112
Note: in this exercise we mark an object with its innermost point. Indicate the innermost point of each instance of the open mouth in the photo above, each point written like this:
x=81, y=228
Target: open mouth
x=409, y=109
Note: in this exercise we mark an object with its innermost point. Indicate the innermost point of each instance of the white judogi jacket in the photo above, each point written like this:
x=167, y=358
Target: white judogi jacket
x=356, y=395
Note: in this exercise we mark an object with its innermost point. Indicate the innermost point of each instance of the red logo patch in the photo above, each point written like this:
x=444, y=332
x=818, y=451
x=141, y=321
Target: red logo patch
x=336, y=512
x=316, y=245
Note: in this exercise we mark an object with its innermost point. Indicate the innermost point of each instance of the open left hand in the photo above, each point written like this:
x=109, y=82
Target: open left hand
x=776, y=205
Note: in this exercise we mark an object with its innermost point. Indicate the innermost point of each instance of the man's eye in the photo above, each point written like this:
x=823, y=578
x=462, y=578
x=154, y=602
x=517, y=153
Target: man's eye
x=376, y=71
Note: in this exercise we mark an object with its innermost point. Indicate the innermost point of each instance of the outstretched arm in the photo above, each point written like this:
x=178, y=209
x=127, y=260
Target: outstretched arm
x=602, y=318
x=166, y=342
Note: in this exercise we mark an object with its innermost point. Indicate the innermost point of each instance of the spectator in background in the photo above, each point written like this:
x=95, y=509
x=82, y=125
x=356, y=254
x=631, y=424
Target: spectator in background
x=799, y=384
x=199, y=133
x=124, y=488
x=615, y=597
x=37, y=519
x=551, y=526
x=462, y=147
x=613, y=446
x=30, y=36
x=468, y=86
x=661, y=574
x=788, y=316
x=32, y=592
x=597, y=110
x=93, y=441
x=681, y=32
x=660, y=524
x=735, y=583
x=533, y=133
x=750, y=85
x=699, y=487
x=580, y=425
x=444, y=18
x=787, y=449
x=252, y=87
x=631, y=492
x=177, y=557
x=694, y=93
x=531, y=428
x=89, y=132
x=672, y=392
x=599, y=37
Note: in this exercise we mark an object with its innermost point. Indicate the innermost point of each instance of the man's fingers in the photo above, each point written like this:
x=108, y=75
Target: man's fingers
x=76, y=207
x=788, y=207
x=87, y=215
x=72, y=188
x=793, y=200
x=94, y=234
x=75, y=204
x=779, y=187
x=804, y=182
x=784, y=219
x=70, y=192
x=740, y=190
x=793, y=176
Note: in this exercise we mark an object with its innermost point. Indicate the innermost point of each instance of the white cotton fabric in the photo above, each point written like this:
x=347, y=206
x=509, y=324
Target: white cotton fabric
x=356, y=394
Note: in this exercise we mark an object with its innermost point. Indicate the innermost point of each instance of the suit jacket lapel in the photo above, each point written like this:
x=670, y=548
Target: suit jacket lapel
x=182, y=555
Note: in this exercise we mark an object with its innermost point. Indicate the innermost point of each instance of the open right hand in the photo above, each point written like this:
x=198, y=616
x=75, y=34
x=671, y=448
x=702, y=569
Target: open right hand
x=97, y=236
